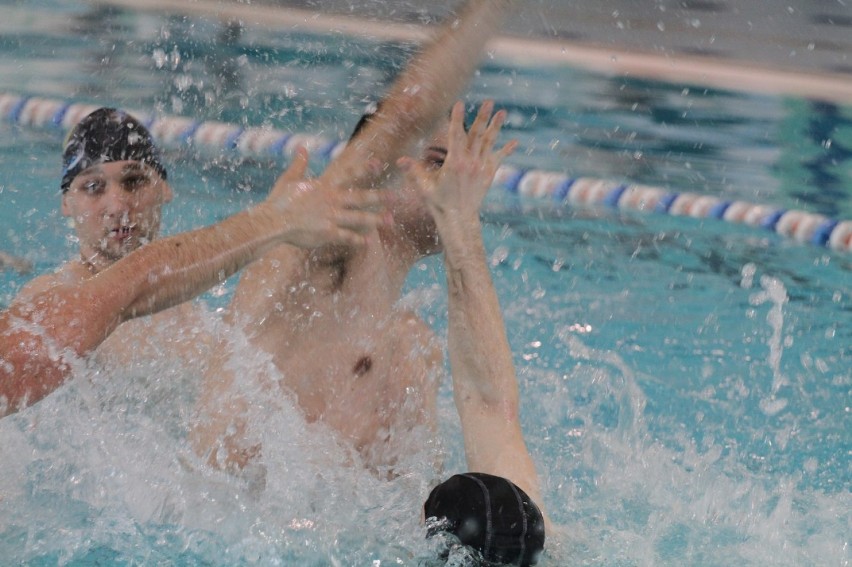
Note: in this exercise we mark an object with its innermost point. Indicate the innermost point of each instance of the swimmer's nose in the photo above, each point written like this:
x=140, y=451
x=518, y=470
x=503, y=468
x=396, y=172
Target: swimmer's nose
x=117, y=201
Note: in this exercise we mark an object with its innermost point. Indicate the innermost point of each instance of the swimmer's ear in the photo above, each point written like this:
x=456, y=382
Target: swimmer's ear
x=65, y=208
x=168, y=194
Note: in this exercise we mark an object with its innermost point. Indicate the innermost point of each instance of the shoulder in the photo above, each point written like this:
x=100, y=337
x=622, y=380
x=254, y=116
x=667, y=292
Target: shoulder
x=66, y=275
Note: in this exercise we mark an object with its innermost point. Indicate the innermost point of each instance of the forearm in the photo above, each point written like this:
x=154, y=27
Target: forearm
x=172, y=270
x=423, y=92
x=479, y=352
x=484, y=382
x=40, y=336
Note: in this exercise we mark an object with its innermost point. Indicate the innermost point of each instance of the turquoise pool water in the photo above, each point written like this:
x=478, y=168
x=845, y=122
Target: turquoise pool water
x=686, y=384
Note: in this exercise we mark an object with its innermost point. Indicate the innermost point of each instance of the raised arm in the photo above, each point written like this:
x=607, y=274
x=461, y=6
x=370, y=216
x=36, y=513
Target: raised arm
x=38, y=334
x=419, y=97
x=484, y=382
x=422, y=93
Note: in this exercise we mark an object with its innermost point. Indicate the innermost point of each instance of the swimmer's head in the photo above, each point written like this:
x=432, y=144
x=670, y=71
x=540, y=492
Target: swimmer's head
x=113, y=186
x=412, y=221
x=488, y=514
x=107, y=135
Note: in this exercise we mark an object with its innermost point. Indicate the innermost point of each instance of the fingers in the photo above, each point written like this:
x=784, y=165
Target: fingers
x=489, y=138
x=479, y=141
x=480, y=125
x=359, y=222
x=507, y=150
x=456, y=136
x=363, y=200
x=295, y=172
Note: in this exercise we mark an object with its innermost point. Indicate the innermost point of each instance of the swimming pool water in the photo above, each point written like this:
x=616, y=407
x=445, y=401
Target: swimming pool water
x=686, y=384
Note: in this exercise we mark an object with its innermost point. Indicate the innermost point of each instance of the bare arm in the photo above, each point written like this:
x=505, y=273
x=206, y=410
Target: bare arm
x=416, y=101
x=38, y=334
x=484, y=383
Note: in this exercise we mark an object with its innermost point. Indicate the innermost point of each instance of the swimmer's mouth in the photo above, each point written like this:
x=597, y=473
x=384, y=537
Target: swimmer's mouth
x=122, y=232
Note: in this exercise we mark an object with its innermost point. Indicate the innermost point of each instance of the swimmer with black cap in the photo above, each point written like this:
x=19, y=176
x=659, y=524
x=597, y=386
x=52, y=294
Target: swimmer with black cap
x=113, y=186
x=490, y=514
x=496, y=509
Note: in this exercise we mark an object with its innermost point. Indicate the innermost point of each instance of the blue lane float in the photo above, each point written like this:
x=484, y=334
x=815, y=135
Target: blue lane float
x=175, y=131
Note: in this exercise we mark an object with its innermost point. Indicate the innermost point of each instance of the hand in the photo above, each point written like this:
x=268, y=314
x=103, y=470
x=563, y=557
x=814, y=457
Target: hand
x=20, y=265
x=460, y=185
x=318, y=214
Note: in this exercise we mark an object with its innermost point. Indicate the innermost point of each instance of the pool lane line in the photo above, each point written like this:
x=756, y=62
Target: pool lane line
x=179, y=131
x=675, y=68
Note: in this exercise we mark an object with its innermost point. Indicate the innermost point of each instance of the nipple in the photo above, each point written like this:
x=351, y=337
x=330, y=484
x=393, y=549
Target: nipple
x=364, y=364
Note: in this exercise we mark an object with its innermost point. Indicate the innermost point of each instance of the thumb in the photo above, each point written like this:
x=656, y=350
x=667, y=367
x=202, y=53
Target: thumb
x=297, y=168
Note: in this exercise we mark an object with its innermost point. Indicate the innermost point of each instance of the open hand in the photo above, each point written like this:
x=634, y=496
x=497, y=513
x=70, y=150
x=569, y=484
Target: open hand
x=318, y=214
x=460, y=185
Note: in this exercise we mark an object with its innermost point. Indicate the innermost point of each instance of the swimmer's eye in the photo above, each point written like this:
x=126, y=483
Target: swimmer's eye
x=135, y=181
x=94, y=187
x=435, y=157
x=434, y=163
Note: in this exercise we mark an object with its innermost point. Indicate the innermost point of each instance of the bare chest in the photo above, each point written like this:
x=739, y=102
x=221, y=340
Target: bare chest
x=358, y=373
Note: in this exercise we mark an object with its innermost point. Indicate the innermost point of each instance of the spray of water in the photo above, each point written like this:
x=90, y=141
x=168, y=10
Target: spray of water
x=103, y=470
x=773, y=292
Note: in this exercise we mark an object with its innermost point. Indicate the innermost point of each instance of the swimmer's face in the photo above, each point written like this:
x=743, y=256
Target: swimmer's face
x=116, y=208
x=410, y=211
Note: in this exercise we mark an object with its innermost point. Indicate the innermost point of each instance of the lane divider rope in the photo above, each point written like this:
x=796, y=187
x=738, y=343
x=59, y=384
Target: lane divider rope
x=177, y=131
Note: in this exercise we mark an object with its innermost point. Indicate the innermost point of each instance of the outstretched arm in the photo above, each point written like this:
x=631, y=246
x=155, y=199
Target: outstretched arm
x=422, y=93
x=417, y=100
x=484, y=383
x=38, y=334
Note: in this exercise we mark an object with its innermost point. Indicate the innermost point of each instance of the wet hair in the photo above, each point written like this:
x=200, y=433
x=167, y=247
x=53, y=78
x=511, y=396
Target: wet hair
x=372, y=109
x=104, y=136
x=489, y=514
x=368, y=114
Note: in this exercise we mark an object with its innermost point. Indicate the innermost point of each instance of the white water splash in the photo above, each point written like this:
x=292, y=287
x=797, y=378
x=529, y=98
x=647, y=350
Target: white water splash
x=101, y=471
x=773, y=292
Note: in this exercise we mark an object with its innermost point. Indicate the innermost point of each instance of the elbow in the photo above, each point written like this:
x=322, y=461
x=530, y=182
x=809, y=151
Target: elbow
x=491, y=403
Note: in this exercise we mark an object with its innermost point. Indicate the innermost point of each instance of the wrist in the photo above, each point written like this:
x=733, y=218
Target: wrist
x=457, y=226
x=268, y=220
x=461, y=238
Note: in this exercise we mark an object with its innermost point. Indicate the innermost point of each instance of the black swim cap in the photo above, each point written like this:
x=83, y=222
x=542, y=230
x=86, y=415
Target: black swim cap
x=107, y=135
x=490, y=514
